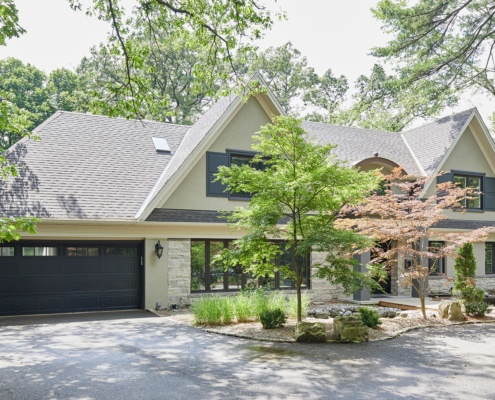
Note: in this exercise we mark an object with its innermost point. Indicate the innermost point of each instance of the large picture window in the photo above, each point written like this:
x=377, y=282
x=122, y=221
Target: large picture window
x=207, y=276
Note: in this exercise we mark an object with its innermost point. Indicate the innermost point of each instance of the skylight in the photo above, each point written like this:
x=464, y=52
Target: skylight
x=161, y=144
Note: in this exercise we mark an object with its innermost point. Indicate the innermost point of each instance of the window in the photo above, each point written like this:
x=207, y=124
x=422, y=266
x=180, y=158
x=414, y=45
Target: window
x=231, y=157
x=40, y=251
x=489, y=261
x=119, y=251
x=211, y=277
x=83, y=251
x=7, y=252
x=473, y=182
x=436, y=265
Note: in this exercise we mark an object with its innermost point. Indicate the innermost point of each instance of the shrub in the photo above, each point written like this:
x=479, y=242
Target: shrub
x=473, y=295
x=477, y=308
x=369, y=316
x=465, y=272
x=272, y=318
x=292, y=304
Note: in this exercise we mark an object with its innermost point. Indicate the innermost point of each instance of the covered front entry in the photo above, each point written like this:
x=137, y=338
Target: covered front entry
x=54, y=277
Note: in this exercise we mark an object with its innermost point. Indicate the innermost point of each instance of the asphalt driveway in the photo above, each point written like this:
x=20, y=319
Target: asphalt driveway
x=137, y=357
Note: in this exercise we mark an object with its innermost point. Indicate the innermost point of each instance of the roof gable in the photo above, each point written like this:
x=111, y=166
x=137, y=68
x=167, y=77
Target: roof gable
x=431, y=142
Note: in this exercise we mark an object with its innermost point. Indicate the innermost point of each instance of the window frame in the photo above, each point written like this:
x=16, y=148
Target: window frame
x=244, y=278
x=442, y=259
x=492, y=245
x=467, y=175
x=229, y=153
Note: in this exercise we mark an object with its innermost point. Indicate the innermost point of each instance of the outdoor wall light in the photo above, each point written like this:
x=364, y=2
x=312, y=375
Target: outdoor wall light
x=158, y=249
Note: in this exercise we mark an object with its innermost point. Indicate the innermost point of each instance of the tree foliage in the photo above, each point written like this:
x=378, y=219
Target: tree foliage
x=382, y=101
x=449, y=43
x=403, y=216
x=12, y=119
x=224, y=29
x=176, y=94
x=303, y=183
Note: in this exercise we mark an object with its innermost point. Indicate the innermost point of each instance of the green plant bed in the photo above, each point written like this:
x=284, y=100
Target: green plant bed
x=246, y=306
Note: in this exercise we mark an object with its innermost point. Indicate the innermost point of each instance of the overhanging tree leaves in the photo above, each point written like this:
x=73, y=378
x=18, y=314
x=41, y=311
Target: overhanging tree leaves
x=304, y=184
x=448, y=42
x=12, y=119
x=228, y=29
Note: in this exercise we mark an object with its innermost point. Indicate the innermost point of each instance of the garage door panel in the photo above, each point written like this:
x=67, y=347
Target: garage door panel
x=50, y=284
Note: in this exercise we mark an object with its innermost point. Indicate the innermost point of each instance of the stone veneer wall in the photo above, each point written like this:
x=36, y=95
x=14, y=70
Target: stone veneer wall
x=321, y=290
x=179, y=271
x=486, y=282
x=441, y=284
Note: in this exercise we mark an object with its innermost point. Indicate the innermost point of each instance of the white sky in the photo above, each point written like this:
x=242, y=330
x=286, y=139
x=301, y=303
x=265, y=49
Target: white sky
x=334, y=34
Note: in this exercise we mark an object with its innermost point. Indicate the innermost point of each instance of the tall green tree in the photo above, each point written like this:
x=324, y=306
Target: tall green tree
x=67, y=91
x=12, y=119
x=176, y=95
x=305, y=184
x=384, y=102
x=326, y=94
x=446, y=42
x=227, y=29
x=287, y=73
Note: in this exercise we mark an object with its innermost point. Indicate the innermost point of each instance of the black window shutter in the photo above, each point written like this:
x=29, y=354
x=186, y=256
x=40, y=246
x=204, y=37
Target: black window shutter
x=449, y=177
x=213, y=161
x=489, y=194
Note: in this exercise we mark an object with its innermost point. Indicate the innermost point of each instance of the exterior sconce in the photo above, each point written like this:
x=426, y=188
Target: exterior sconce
x=158, y=249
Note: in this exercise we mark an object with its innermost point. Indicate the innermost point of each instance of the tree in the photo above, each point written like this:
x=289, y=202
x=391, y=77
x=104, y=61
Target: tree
x=12, y=119
x=446, y=42
x=227, y=29
x=9, y=22
x=402, y=216
x=25, y=87
x=303, y=183
x=177, y=95
x=326, y=94
x=66, y=91
x=286, y=72
x=383, y=102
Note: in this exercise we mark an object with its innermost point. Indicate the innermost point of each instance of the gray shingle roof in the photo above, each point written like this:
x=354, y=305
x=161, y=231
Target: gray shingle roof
x=95, y=167
x=87, y=166
x=430, y=142
x=356, y=144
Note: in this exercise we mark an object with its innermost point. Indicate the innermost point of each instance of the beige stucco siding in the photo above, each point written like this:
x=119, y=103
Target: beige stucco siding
x=237, y=135
x=467, y=156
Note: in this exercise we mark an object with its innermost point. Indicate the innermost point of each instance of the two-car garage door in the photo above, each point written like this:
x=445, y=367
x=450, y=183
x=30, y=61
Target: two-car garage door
x=52, y=277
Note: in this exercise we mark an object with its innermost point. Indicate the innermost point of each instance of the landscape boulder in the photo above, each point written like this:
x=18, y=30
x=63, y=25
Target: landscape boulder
x=451, y=310
x=311, y=332
x=350, y=329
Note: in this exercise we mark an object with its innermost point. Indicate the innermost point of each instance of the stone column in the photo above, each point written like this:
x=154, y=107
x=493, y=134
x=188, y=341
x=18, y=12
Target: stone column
x=363, y=259
x=179, y=271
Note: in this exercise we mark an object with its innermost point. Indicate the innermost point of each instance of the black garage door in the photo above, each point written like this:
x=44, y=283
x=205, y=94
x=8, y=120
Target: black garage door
x=52, y=277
